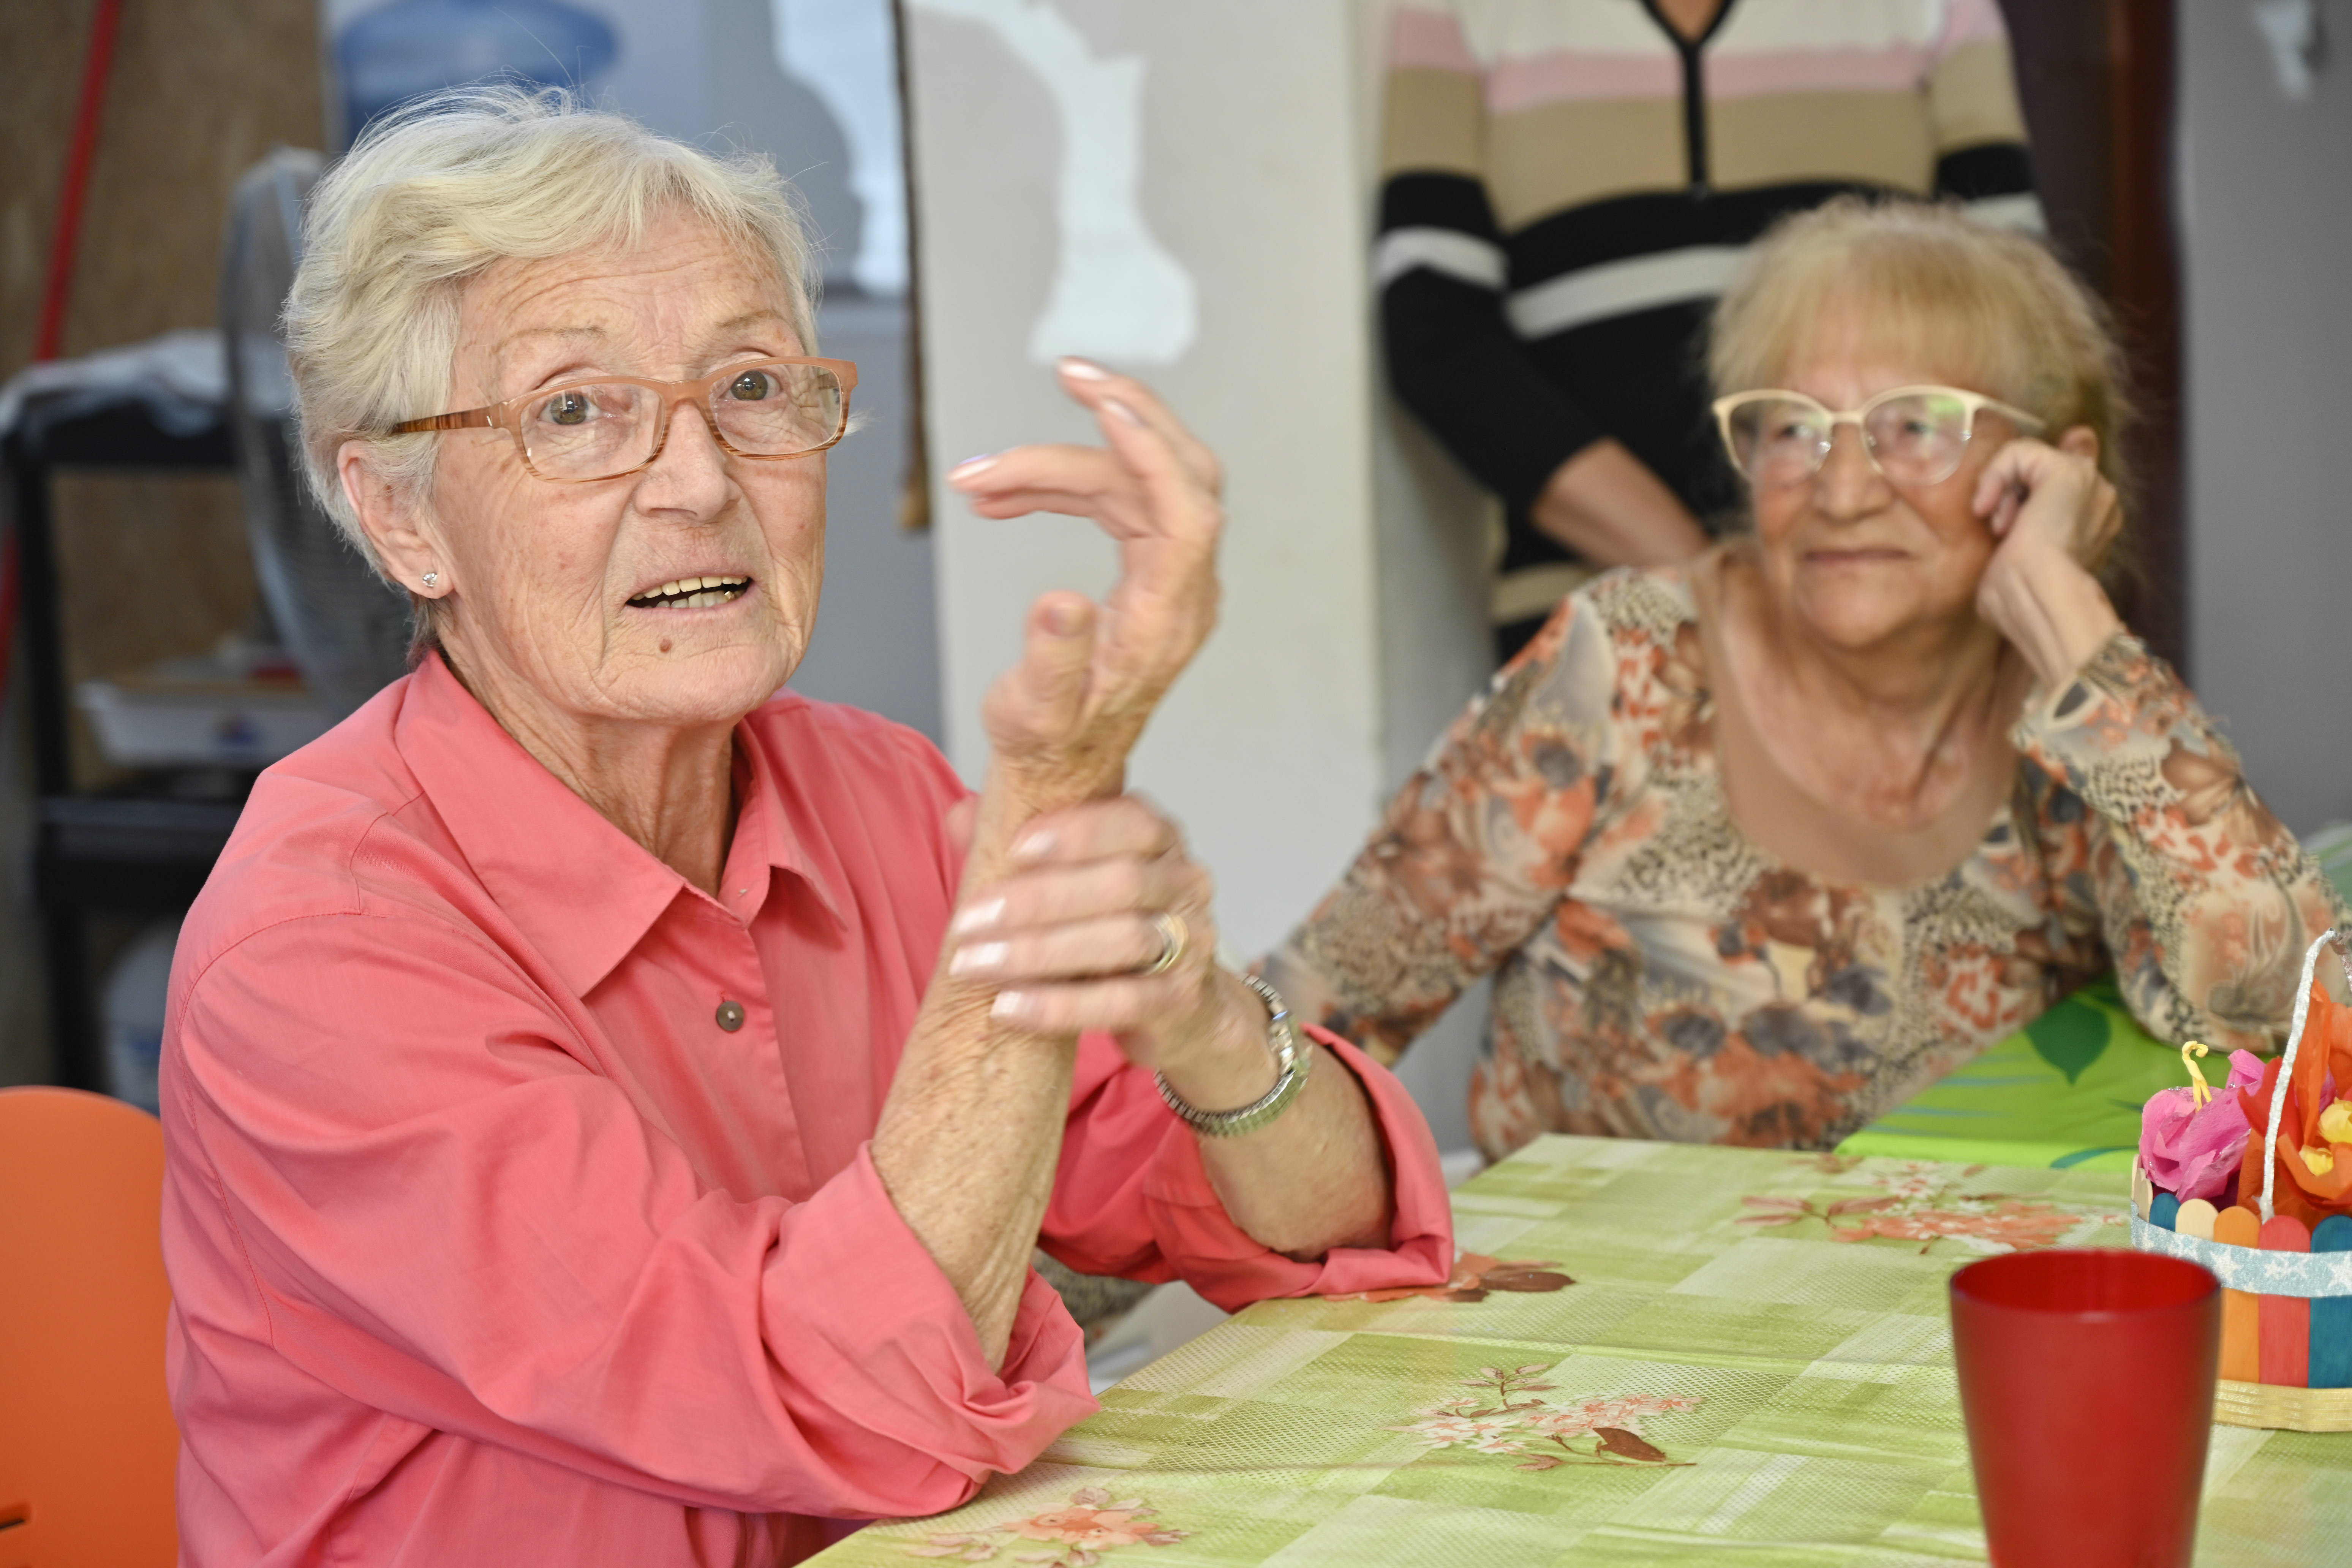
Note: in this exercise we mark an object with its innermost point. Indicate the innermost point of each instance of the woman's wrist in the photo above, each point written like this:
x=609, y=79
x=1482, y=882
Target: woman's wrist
x=1223, y=1062
x=2051, y=609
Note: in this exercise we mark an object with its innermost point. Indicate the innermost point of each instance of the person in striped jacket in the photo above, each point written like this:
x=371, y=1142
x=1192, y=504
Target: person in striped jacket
x=1570, y=185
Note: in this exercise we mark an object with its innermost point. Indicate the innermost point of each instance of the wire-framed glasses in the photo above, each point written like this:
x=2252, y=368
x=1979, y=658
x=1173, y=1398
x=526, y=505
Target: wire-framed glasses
x=583, y=431
x=1913, y=435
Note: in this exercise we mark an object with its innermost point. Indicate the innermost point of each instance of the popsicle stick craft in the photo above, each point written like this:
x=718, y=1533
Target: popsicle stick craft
x=2331, y=1316
x=2241, y=1309
x=2285, y=1358
x=2254, y=1179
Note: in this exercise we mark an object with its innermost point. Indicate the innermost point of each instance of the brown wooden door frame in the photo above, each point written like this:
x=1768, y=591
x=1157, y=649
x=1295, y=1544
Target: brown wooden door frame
x=2145, y=286
x=2097, y=81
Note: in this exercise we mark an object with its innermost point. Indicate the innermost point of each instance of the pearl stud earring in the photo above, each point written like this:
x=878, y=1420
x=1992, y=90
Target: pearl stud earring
x=430, y=578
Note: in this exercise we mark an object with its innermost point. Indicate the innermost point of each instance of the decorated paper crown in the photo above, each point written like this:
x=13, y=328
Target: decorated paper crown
x=2316, y=1159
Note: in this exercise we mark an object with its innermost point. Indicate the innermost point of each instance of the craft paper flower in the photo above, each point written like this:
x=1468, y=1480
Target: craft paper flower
x=2190, y=1150
x=2311, y=1172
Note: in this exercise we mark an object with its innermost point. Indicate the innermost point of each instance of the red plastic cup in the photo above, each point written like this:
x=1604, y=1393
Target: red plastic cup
x=2087, y=1380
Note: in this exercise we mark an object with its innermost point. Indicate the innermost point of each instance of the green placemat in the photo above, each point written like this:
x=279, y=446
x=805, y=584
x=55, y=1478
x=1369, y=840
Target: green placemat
x=2332, y=846
x=2065, y=1091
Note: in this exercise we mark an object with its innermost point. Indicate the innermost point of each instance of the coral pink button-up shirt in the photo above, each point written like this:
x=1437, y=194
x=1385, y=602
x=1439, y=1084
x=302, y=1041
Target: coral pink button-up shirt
x=489, y=1241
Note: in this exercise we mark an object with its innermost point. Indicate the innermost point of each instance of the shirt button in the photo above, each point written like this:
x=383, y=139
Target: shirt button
x=731, y=1016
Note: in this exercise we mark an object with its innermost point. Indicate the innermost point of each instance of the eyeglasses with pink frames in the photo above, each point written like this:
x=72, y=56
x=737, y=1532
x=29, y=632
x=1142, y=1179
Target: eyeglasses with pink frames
x=613, y=425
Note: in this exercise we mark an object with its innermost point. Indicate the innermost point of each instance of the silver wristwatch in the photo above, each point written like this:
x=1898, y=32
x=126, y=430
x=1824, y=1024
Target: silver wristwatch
x=1292, y=1056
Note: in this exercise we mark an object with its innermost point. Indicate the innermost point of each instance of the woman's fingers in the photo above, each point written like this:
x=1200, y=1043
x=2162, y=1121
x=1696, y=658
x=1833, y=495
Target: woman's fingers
x=1151, y=491
x=1099, y=389
x=2011, y=472
x=1096, y=830
x=1116, y=1005
x=1081, y=480
x=1140, y=488
x=1093, y=884
x=1178, y=505
x=1073, y=949
x=2030, y=484
x=1053, y=894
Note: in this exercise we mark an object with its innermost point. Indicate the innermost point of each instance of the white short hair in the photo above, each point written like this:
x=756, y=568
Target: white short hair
x=438, y=191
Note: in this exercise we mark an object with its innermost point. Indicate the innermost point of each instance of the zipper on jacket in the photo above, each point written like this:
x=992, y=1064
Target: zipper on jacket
x=1694, y=88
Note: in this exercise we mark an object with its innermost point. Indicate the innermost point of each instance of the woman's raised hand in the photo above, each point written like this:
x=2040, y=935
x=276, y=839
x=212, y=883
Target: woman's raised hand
x=2055, y=515
x=1064, y=720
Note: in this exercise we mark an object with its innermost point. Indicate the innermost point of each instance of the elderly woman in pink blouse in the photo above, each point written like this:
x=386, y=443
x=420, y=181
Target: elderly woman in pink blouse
x=611, y=1106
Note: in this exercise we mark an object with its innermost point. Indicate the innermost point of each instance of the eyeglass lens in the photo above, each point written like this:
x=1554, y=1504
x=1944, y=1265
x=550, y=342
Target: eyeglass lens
x=602, y=429
x=1916, y=439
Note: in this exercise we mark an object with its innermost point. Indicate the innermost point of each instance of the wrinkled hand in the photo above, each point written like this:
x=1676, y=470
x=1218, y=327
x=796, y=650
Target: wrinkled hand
x=1064, y=720
x=1067, y=934
x=2055, y=515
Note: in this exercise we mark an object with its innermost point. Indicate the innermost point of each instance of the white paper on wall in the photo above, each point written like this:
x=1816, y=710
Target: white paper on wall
x=1118, y=294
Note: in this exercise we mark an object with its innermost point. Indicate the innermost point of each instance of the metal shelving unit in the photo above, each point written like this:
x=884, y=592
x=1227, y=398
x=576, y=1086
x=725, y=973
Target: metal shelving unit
x=132, y=853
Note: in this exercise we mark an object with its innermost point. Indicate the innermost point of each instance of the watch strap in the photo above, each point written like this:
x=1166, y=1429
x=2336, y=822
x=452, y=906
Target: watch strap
x=1292, y=1055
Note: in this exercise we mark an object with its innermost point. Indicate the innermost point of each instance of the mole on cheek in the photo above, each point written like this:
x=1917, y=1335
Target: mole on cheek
x=665, y=647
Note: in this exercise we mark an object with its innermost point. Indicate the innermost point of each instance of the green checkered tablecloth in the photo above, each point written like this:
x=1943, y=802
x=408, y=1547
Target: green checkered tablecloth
x=1751, y=1365
x=2065, y=1091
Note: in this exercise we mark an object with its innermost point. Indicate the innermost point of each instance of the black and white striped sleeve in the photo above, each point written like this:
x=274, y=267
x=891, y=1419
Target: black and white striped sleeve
x=1980, y=151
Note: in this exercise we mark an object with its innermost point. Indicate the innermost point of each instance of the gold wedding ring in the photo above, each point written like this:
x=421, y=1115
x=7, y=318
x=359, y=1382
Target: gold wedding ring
x=1172, y=937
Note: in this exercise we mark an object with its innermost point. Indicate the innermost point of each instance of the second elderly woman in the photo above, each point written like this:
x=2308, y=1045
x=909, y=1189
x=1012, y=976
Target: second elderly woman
x=610, y=1106
x=1758, y=849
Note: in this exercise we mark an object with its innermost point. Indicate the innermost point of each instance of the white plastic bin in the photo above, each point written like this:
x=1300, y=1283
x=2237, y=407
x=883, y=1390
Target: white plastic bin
x=148, y=723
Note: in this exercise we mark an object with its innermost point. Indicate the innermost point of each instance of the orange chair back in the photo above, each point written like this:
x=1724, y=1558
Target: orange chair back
x=87, y=1443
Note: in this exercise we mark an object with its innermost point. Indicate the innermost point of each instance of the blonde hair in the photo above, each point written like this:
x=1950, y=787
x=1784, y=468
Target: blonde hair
x=1936, y=287
x=432, y=196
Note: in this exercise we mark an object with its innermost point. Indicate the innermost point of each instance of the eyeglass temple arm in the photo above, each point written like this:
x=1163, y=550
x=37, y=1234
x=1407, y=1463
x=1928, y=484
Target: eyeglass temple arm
x=471, y=419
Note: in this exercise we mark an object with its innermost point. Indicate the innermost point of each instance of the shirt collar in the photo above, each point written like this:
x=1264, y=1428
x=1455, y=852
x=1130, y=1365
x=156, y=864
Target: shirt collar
x=766, y=835
x=579, y=890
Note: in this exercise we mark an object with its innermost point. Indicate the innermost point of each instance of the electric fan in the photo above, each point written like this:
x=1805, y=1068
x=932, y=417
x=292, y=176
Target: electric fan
x=346, y=629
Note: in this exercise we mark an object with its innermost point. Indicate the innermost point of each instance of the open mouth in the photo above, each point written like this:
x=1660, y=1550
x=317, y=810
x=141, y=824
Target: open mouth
x=692, y=594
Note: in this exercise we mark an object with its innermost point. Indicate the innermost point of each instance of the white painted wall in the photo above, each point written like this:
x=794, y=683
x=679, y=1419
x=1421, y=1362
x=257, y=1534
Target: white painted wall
x=733, y=72
x=877, y=645
x=2266, y=197
x=1352, y=627
x=1269, y=748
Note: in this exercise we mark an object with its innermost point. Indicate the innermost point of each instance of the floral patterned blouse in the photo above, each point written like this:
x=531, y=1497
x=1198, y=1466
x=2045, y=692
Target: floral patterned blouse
x=1658, y=975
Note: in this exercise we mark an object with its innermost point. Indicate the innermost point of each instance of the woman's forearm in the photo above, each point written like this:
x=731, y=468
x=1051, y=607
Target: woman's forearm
x=970, y=1136
x=969, y=1140
x=1612, y=512
x=1312, y=1179
x=2183, y=860
x=967, y=1147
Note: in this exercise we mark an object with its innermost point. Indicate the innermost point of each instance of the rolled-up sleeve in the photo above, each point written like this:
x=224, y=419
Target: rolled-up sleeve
x=1132, y=1197
x=430, y=1202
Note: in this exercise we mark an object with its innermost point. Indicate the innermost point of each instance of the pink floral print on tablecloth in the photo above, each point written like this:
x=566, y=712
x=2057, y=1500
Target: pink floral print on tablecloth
x=1503, y=1419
